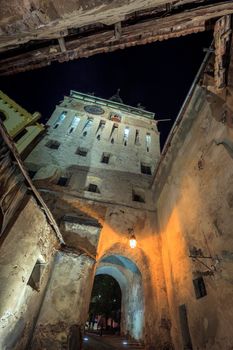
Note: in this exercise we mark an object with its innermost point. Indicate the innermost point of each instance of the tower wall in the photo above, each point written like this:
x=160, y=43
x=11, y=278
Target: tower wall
x=128, y=137
x=122, y=201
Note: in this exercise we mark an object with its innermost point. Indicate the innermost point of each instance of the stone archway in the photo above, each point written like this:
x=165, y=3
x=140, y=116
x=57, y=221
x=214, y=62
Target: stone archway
x=129, y=277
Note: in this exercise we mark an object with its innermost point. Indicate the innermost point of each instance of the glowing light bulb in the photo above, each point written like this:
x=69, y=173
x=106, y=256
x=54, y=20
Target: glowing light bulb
x=132, y=242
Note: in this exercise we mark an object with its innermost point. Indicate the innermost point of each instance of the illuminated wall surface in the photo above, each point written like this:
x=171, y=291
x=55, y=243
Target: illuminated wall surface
x=20, y=124
x=94, y=170
x=195, y=218
x=94, y=167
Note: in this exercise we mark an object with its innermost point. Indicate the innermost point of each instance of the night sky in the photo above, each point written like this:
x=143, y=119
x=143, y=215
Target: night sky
x=157, y=75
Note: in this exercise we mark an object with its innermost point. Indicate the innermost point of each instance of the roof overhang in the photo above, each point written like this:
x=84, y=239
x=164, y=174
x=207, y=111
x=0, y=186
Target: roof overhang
x=34, y=35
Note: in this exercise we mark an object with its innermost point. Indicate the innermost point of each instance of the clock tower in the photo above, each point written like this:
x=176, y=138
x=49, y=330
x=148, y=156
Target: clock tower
x=94, y=169
x=98, y=149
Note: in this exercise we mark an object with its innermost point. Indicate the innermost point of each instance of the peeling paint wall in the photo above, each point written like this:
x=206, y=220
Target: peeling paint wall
x=30, y=239
x=27, y=245
x=66, y=301
x=194, y=206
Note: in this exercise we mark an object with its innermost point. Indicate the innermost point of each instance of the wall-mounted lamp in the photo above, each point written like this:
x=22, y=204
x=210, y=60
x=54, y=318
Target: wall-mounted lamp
x=132, y=238
x=132, y=241
x=197, y=255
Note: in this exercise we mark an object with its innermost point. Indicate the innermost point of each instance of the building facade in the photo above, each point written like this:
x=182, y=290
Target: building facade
x=93, y=168
x=98, y=149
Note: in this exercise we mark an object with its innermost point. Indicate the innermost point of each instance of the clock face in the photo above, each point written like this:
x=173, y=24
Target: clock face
x=93, y=109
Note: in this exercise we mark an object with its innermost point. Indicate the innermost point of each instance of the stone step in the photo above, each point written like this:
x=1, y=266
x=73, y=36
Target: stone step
x=114, y=342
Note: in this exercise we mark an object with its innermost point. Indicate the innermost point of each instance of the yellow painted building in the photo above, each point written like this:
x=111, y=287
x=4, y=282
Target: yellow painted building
x=21, y=125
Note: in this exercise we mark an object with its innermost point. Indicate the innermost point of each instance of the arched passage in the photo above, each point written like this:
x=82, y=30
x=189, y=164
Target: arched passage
x=127, y=274
x=105, y=304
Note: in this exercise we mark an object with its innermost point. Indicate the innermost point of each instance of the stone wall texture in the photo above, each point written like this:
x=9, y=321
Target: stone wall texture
x=29, y=241
x=194, y=206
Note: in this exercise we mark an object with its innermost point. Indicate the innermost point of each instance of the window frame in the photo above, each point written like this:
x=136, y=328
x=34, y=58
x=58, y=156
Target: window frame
x=82, y=152
x=105, y=156
x=93, y=188
x=52, y=143
x=63, y=181
x=199, y=287
x=146, y=169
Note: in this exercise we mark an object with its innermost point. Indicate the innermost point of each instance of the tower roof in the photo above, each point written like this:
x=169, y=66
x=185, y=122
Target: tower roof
x=116, y=97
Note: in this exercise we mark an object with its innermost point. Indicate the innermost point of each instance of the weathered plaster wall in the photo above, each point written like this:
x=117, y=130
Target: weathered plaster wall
x=139, y=321
x=194, y=192
x=66, y=302
x=114, y=187
x=29, y=239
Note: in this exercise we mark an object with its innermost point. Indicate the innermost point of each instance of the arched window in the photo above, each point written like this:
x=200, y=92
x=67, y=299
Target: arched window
x=87, y=126
x=74, y=124
x=148, y=142
x=60, y=119
x=113, y=134
x=100, y=129
x=126, y=135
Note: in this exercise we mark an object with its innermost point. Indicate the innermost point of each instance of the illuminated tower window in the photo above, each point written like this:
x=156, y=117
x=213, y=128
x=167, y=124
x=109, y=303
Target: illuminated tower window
x=74, y=124
x=87, y=126
x=113, y=134
x=126, y=136
x=137, y=140
x=101, y=125
x=148, y=142
x=100, y=128
x=60, y=119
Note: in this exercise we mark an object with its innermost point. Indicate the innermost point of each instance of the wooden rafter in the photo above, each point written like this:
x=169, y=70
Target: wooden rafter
x=119, y=37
